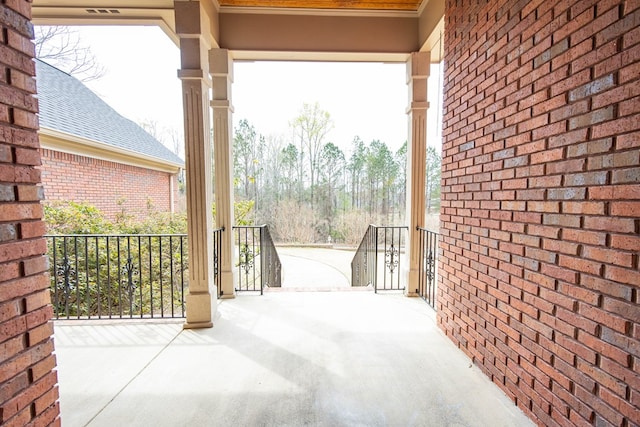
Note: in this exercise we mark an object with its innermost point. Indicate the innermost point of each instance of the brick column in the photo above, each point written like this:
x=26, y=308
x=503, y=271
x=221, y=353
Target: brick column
x=221, y=66
x=28, y=392
x=417, y=74
x=191, y=26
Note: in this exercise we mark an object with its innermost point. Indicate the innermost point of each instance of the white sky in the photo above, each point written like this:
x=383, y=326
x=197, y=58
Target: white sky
x=364, y=99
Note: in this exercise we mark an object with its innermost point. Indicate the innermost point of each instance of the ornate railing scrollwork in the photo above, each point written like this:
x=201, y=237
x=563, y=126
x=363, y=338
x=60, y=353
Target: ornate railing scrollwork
x=429, y=257
x=378, y=258
x=258, y=261
x=118, y=276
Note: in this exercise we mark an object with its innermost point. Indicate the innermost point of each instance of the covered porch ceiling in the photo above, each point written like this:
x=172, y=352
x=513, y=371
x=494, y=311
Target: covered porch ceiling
x=330, y=30
x=413, y=5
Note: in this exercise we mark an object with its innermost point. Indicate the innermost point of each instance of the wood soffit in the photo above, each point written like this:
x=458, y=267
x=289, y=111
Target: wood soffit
x=400, y=5
x=114, y=5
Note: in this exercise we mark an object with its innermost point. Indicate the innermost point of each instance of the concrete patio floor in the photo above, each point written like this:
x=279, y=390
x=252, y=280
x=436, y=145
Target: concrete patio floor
x=282, y=359
x=312, y=268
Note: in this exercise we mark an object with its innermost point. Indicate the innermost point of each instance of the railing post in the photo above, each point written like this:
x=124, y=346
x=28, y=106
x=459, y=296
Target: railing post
x=371, y=256
x=263, y=259
x=217, y=258
x=375, y=269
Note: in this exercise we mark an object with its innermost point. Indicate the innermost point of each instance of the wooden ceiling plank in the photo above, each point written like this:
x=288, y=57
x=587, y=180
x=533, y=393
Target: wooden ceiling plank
x=412, y=5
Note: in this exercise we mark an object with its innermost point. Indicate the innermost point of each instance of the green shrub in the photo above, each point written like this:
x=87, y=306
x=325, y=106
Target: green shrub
x=155, y=223
x=75, y=218
x=83, y=218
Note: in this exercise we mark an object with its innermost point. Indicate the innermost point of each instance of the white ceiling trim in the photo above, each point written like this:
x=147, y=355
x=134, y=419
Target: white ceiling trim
x=253, y=55
x=319, y=12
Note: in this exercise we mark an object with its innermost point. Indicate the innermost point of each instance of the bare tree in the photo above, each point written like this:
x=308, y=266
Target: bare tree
x=168, y=136
x=311, y=126
x=177, y=142
x=62, y=47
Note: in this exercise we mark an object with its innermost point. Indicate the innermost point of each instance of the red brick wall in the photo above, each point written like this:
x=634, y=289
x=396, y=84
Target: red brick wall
x=111, y=187
x=28, y=391
x=540, y=282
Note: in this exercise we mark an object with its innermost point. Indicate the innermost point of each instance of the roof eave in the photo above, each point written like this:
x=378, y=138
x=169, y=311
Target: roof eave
x=68, y=143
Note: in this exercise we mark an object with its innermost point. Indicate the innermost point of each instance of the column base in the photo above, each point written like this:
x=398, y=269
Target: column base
x=228, y=289
x=411, y=280
x=197, y=325
x=201, y=310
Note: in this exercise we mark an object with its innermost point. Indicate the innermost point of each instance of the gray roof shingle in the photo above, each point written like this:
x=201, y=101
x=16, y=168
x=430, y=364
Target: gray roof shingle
x=67, y=105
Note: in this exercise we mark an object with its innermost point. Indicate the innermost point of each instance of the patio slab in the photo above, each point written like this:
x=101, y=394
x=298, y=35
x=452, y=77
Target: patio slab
x=282, y=359
x=308, y=268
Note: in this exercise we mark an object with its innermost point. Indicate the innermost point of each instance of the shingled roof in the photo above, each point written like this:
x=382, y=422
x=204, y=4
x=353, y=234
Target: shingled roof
x=68, y=106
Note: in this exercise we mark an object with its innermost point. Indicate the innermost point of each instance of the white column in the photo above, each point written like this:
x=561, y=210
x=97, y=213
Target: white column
x=221, y=65
x=201, y=301
x=417, y=75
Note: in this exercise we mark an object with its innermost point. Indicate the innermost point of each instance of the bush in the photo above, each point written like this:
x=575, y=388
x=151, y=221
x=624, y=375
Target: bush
x=75, y=218
x=83, y=218
x=155, y=223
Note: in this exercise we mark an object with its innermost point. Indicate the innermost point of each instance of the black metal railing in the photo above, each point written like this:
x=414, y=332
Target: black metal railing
x=427, y=282
x=118, y=276
x=378, y=259
x=258, y=261
x=363, y=272
x=217, y=258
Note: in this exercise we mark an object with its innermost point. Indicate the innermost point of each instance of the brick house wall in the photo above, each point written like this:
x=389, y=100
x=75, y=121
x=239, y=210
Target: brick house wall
x=28, y=391
x=540, y=281
x=109, y=186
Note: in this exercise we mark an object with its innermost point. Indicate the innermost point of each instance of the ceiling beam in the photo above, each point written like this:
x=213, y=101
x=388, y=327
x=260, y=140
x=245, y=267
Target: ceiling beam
x=245, y=32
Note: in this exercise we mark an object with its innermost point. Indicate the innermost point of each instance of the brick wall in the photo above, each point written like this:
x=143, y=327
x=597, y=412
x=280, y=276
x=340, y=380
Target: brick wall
x=28, y=391
x=540, y=281
x=111, y=187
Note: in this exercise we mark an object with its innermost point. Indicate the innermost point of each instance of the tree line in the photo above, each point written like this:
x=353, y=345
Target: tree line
x=307, y=189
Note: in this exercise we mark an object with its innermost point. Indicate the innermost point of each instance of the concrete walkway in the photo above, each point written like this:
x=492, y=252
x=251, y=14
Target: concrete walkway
x=282, y=359
x=309, y=268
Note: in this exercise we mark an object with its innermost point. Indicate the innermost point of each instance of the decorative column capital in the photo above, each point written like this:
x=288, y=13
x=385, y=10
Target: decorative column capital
x=417, y=106
x=221, y=69
x=221, y=62
x=196, y=20
x=193, y=26
x=190, y=74
x=418, y=66
x=188, y=18
x=187, y=74
x=223, y=104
